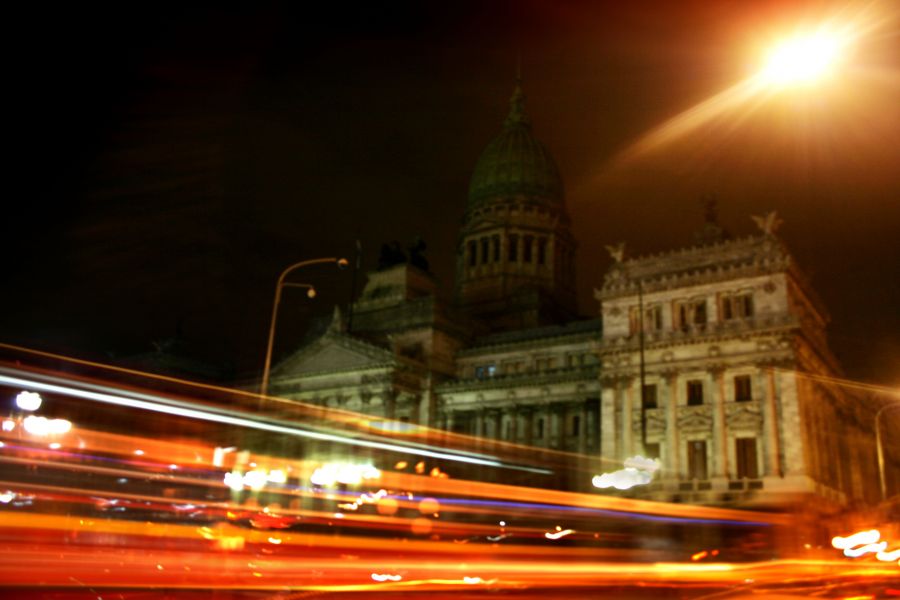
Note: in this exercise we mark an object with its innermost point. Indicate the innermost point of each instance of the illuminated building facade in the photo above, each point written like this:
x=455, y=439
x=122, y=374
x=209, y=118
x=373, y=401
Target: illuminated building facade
x=727, y=323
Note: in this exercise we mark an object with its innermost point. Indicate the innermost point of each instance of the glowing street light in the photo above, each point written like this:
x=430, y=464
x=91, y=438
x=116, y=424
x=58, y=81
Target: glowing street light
x=803, y=59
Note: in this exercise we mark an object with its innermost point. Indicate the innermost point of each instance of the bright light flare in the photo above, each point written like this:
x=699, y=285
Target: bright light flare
x=803, y=59
x=29, y=401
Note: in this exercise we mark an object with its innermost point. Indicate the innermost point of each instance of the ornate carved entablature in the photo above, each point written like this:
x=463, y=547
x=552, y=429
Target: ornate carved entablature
x=656, y=421
x=695, y=418
x=744, y=416
x=728, y=259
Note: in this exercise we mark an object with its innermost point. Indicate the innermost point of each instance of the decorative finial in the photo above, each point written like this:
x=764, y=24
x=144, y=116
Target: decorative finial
x=768, y=223
x=337, y=321
x=617, y=252
x=517, y=114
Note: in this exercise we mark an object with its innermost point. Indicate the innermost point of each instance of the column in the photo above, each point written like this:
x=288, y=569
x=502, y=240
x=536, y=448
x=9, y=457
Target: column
x=555, y=433
x=498, y=425
x=720, y=433
x=791, y=421
x=514, y=424
x=627, y=397
x=673, y=443
x=583, y=428
x=770, y=425
x=479, y=423
x=529, y=426
x=608, y=431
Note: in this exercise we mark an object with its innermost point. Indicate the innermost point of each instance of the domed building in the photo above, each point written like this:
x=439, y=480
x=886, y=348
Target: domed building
x=516, y=255
x=711, y=358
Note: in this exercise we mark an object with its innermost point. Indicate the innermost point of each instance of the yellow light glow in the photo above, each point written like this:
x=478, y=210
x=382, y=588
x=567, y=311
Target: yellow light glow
x=803, y=59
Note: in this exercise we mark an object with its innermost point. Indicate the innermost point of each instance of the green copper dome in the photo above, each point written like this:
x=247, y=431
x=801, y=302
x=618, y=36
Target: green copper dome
x=514, y=163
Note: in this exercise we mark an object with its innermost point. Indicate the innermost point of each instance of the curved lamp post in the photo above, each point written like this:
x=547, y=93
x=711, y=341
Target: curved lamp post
x=880, y=448
x=311, y=292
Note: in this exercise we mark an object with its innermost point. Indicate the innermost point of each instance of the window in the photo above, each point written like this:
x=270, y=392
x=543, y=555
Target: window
x=473, y=253
x=542, y=251
x=539, y=434
x=742, y=389
x=652, y=319
x=513, y=247
x=694, y=392
x=527, y=243
x=697, y=459
x=485, y=250
x=576, y=425
x=648, y=398
x=508, y=435
x=495, y=242
x=485, y=371
x=651, y=450
x=745, y=452
x=689, y=314
x=738, y=306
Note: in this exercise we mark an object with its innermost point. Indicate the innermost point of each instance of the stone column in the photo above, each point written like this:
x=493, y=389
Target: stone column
x=673, y=443
x=720, y=432
x=528, y=417
x=608, y=431
x=448, y=420
x=479, y=423
x=627, y=396
x=792, y=425
x=498, y=425
x=556, y=434
x=583, y=428
x=770, y=426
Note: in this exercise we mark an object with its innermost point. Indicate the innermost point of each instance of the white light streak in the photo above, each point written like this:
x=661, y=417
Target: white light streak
x=155, y=405
x=44, y=426
x=386, y=577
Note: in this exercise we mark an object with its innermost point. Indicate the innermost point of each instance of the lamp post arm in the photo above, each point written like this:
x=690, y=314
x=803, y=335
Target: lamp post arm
x=264, y=386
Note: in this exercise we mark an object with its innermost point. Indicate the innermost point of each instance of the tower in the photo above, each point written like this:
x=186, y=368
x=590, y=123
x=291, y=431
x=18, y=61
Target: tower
x=516, y=253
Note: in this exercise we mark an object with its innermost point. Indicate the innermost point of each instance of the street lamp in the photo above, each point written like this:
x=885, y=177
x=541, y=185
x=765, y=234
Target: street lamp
x=880, y=448
x=310, y=292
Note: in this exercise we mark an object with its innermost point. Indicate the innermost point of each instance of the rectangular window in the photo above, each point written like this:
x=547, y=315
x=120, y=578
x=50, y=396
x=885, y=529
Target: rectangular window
x=727, y=313
x=744, y=308
x=539, y=434
x=742, y=389
x=485, y=250
x=694, y=392
x=576, y=426
x=527, y=243
x=653, y=319
x=700, y=312
x=485, y=371
x=697, y=460
x=542, y=251
x=508, y=435
x=683, y=315
x=649, y=396
x=473, y=253
x=495, y=242
x=513, y=247
x=651, y=450
x=745, y=452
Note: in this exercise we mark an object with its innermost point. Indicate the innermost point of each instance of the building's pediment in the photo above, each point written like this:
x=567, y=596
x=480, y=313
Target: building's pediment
x=332, y=353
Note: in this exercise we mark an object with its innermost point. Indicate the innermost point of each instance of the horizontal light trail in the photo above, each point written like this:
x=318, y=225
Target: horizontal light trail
x=184, y=410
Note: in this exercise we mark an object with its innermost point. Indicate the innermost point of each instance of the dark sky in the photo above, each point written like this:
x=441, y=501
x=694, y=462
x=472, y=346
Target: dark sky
x=169, y=161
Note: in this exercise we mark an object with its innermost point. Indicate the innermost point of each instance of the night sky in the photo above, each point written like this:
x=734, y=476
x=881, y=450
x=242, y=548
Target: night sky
x=168, y=162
